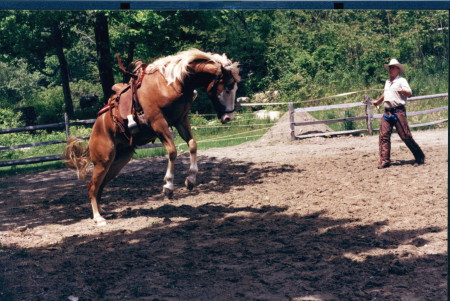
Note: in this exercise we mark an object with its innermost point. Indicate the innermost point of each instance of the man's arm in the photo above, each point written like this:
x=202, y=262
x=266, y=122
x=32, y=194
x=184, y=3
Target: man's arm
x=378, y=101
x=405, y=89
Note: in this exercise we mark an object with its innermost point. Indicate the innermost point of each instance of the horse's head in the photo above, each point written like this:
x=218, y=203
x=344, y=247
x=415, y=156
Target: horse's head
x=215, y=72
x=222, y=91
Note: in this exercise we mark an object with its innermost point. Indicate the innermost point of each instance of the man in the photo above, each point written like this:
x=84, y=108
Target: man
x=396, y=90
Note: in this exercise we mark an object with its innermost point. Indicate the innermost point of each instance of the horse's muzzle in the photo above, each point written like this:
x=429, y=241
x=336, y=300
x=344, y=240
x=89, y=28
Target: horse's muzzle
x=227, y=117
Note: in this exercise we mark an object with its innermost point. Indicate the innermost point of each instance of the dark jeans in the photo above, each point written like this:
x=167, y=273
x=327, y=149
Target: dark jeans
x=401, y=124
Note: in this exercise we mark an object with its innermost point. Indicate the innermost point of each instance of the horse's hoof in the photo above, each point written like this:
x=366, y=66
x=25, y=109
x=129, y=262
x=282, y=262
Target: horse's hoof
x=100, y=221
x=168, y=192
x=189, y=185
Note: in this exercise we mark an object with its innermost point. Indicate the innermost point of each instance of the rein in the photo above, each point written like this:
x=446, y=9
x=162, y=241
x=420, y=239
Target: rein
x=134, y=84
x=133, y=75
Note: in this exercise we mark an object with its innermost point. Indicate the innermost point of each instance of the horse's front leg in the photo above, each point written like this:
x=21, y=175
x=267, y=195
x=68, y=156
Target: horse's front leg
x=184, y=129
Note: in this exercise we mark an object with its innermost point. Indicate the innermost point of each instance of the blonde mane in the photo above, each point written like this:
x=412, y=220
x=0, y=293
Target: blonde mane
x=175, y=67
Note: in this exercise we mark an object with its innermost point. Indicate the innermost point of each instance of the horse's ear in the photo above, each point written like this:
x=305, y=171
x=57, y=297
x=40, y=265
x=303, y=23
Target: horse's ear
x=231, y=72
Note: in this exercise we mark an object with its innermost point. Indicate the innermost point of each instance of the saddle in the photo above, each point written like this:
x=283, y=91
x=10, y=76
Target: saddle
x=124, y=104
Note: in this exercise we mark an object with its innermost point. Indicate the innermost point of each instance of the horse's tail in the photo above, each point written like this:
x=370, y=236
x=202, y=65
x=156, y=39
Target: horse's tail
x=76, y=156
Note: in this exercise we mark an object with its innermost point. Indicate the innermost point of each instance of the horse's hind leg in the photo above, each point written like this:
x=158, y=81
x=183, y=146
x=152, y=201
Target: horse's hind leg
x=121, y=159
x=104, y=172
x=96, y=187
x=191, y=179
x=168, y=187
x=102, y=153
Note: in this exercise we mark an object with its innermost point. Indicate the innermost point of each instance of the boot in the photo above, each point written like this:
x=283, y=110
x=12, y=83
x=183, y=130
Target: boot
x=419, y=156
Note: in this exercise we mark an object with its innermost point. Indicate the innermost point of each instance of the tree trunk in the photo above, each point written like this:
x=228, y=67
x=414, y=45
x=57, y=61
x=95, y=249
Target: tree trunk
x=103, y=53
x=58, y=40
x=129, y=60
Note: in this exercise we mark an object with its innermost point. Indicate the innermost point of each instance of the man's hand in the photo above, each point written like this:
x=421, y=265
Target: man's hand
x=378, y=101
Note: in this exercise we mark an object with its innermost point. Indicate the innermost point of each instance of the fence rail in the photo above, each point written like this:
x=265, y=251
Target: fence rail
x=368, y=117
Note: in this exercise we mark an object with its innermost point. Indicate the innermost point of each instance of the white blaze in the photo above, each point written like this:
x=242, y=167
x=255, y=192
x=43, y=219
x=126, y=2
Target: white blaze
x=227, y=98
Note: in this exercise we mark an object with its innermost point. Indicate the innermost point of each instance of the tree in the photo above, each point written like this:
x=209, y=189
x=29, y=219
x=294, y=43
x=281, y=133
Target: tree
x=103, y=53
x=64, y=71
x=42, y=35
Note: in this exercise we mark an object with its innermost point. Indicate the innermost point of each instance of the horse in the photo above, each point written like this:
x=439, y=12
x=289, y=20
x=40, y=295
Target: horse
x=165, y=93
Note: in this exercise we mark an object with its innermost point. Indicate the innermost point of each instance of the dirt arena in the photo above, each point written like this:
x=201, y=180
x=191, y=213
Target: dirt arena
x=270, y=220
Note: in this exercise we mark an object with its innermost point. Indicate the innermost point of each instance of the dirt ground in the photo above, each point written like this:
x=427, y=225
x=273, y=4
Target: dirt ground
x=311, y=219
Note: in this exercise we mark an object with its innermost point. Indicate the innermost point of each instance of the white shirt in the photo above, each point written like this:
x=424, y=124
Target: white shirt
x=392, y=98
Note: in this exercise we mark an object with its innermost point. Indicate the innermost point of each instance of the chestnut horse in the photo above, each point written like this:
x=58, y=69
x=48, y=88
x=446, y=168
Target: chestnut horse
x=165, y=95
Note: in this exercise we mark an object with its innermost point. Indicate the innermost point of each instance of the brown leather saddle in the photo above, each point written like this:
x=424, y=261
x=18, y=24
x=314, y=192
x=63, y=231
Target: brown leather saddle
x=124, y=104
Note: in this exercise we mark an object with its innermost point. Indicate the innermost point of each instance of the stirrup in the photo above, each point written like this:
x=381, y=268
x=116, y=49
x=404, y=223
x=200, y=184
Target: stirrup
x=132, y=125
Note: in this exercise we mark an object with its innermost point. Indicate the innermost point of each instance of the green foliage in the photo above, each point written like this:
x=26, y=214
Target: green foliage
x=334, y=52
x=303, y=54
x=14, y=88
x=349, y=125
x=9, y=118
x=49, y=105
x=197, y=120
x=83, y=87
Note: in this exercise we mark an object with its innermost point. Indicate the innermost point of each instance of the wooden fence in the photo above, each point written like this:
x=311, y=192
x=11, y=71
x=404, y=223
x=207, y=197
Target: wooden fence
x=53, y=126
x=369, y=116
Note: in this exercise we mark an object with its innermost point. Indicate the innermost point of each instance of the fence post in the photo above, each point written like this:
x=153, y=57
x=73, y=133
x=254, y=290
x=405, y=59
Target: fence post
x=368, y=114
x=66, y=121
x=291, y=120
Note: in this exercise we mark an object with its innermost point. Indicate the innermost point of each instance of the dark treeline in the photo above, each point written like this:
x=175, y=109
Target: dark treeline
x=50, y=59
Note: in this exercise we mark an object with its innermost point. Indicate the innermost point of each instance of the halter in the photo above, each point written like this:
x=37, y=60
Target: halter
x=231, y=111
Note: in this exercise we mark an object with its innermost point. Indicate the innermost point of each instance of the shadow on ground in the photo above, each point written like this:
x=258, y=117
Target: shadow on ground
x=221, y=253
x=57, y=197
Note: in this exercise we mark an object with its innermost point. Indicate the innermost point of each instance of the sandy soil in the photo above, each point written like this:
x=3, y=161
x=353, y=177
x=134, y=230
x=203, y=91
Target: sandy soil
x=270, y=220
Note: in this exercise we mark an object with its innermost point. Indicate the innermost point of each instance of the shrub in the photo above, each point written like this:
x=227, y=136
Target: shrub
x=49, y=105
x=10, y=119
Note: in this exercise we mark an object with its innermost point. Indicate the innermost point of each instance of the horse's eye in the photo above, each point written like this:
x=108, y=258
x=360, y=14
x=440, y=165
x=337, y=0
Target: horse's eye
x=229, y=87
